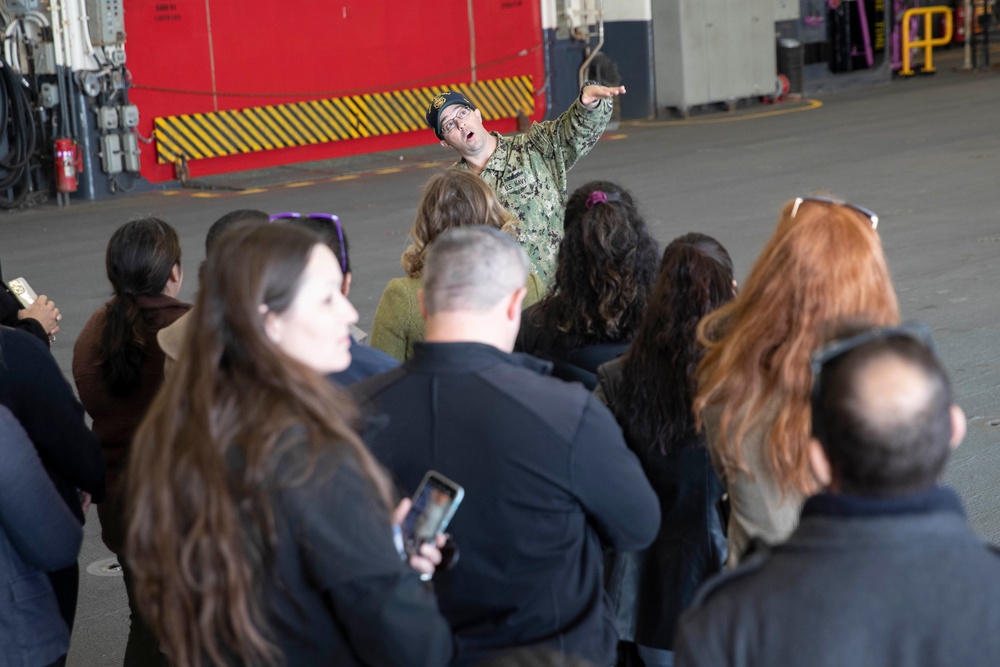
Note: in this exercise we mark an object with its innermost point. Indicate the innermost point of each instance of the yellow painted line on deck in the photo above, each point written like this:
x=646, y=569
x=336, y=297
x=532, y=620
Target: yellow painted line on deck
x=302, y=184
x=811, y=104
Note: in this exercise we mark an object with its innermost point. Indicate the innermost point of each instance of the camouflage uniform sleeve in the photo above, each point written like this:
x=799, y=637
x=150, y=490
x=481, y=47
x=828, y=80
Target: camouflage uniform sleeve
x=529, y=174
x=571, y=136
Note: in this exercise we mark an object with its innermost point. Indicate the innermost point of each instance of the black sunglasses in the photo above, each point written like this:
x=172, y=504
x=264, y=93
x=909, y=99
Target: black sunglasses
x=837, y=202
x=916, y=331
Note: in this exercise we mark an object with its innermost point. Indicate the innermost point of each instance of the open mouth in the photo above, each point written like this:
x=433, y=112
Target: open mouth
x=469, y=135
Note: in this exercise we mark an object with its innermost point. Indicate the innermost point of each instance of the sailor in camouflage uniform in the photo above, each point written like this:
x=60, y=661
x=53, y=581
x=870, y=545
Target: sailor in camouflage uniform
x=527, y=171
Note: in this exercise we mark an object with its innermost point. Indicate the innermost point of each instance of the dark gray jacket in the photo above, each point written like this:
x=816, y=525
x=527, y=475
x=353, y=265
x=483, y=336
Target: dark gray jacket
x=548, y=482
x=860, y=582
x=38, y=533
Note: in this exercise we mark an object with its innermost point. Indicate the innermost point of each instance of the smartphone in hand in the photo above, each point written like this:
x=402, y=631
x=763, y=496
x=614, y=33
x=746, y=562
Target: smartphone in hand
x=20, y=288
x=434, y=505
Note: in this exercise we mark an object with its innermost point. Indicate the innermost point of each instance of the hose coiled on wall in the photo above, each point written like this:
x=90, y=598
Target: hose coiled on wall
x=16, y=119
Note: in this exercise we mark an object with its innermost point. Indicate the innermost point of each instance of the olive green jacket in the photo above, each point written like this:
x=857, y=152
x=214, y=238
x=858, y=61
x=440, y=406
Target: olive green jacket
x=399, y=323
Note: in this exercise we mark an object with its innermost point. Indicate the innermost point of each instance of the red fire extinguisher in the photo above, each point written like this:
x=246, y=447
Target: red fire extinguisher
x=959, y=36
x=68, y=165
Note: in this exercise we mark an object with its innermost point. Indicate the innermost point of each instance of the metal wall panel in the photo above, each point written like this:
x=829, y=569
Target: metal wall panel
x=209, y=59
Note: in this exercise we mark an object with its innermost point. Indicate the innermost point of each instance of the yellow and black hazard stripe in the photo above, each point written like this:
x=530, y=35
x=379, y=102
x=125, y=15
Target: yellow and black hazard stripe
x=204, y=135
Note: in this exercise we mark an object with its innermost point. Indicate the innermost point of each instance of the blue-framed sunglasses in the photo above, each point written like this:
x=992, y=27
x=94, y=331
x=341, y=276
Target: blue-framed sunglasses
x=328, y=217
x=837, y=202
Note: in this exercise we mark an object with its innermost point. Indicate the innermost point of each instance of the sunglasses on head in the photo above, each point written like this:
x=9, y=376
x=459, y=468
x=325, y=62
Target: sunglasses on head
x=916, y=331
x=291, y=215
x=836, y=202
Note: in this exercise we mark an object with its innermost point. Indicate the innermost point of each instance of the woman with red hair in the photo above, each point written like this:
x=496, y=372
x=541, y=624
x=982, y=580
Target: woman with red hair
x=823, y=263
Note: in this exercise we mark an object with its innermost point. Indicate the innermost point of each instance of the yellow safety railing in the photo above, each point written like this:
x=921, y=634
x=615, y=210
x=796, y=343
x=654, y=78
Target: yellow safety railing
x=928, y=42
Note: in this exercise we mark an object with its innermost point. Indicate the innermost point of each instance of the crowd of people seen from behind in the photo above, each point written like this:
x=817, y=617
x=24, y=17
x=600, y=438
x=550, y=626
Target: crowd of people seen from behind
x=647, y=462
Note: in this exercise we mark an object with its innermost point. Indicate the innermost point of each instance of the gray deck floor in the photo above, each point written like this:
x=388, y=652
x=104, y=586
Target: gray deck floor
x=923, y=153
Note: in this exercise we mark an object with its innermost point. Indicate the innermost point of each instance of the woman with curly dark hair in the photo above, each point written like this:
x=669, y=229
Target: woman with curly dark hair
x=606, y=265
x=650, y=390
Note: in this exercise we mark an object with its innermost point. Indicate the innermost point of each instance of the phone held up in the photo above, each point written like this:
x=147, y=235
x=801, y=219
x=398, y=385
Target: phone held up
x=21, y=290
x=434, y=505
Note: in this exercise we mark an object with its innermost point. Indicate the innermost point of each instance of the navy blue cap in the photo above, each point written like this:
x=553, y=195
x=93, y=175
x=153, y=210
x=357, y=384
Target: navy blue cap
x=442, y=102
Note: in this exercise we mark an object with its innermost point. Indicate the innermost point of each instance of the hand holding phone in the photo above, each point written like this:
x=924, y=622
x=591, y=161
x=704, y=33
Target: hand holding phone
x=22, y=291
x=434, y=504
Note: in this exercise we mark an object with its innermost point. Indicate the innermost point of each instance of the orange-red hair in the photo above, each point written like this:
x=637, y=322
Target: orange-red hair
x=824, y=265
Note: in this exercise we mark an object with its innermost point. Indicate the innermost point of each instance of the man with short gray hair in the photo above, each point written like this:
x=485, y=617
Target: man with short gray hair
x=549, y=482
x=471, y=270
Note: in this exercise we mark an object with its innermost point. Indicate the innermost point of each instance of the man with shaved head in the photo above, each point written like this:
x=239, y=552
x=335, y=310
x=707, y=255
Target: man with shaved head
x=883, y=568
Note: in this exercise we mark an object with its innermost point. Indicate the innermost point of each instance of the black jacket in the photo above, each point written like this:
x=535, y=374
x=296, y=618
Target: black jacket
x=548, y=483
x=34, y=389
x=650, y=589
x=570, y=363
x=9, y=306
x=340, y=594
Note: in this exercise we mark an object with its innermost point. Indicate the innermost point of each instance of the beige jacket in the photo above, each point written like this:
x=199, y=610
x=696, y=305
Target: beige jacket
x=758, y=508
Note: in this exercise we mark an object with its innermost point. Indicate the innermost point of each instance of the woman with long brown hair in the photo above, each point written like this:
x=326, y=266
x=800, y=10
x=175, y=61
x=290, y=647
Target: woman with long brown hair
x=451, y=198
x=260, y=529
x=649, y=389
x=823, y=263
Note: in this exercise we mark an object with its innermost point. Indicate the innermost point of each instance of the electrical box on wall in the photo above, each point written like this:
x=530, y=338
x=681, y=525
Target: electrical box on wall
x=107, y=22
x=44, y=57
x=107, y=118
x=111, y=154
x=22, y=7
x=130, y=152
x=48, y=95
x=129, y=115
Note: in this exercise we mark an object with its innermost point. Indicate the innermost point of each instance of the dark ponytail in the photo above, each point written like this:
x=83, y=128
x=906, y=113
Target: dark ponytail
x=139, y=259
